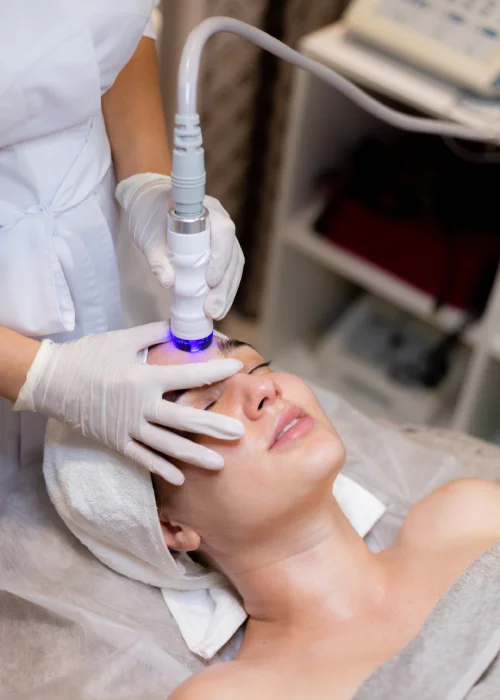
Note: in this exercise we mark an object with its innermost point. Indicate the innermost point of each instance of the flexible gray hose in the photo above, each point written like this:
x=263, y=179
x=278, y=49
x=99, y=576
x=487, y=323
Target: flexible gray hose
x=190, y=64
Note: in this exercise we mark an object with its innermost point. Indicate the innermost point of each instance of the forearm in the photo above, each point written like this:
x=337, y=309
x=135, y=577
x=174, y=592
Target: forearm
x=16, y=357
x=133, y=112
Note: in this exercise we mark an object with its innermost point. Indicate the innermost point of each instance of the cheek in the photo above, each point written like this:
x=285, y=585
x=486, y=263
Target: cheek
x=245, y=492
x=239, y=455
x=249, y=472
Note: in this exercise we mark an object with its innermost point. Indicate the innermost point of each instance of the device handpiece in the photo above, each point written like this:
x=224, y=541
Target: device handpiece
x=188, y=241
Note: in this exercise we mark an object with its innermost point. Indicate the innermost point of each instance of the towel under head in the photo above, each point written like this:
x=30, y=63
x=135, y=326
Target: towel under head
x=108, y=503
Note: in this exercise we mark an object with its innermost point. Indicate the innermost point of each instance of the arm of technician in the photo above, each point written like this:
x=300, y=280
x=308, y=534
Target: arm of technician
x=133, y=112
x=17, y=354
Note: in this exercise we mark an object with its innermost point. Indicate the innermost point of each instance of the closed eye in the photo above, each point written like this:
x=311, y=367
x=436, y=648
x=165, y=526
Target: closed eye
x=254, y=369
x=264, y=364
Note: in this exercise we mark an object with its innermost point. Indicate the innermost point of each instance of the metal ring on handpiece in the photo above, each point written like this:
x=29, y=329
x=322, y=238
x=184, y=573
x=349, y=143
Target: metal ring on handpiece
x=194, y=224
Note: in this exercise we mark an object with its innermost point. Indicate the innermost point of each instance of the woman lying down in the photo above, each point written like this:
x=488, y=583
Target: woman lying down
x=324, y=612
x=327, y=617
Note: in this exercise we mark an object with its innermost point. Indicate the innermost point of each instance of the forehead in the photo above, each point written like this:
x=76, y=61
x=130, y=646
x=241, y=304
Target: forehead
x=168, y=354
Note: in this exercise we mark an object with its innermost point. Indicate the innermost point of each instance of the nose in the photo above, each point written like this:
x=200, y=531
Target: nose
x=253, y=393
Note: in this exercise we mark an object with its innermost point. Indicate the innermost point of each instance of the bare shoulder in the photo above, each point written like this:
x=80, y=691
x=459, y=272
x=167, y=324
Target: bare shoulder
x=462, y=509
x=211, y=683
x=220, y=681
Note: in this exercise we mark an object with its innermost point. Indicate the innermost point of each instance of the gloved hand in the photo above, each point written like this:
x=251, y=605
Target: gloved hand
x=99, y=386
x=146, y=200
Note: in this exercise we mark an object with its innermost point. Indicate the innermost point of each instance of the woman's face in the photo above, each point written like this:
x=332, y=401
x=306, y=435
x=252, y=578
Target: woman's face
x=286, y=460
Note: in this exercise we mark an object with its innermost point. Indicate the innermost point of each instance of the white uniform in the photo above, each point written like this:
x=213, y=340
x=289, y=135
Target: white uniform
x=58, y=269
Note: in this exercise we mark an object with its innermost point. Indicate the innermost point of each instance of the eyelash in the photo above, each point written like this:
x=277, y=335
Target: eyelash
x=254, y=369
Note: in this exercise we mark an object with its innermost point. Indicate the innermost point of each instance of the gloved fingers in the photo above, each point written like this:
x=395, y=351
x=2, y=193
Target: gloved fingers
x=146, y=199
x=213, y=203
x=128, y=188
x=139, y=184
x=181, y=448
x=157, y=257
x=235, y=280
x=154, y=463
x=171, y=378
x=145, y=336
x=222, y=241
x=220, y=299
x=195, y=420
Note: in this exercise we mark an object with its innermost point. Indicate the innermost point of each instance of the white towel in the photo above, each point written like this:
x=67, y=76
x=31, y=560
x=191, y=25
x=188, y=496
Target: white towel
x=108, y=503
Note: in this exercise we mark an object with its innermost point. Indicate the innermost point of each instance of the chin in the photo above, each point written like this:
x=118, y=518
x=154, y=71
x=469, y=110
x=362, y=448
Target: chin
x=323, y=454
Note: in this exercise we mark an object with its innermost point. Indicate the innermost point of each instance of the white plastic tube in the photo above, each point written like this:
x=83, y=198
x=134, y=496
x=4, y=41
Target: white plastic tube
x=190, y=64
x=188, y=171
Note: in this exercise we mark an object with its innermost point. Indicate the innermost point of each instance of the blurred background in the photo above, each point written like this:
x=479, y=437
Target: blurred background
x=371, y=255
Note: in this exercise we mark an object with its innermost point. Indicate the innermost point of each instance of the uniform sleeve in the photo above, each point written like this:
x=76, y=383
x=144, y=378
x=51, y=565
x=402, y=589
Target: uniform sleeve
x=153, y=26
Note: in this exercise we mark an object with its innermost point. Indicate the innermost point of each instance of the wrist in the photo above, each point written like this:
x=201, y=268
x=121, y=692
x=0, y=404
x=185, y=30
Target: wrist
x=127, y=189
x=17, y=353
x=34, y=365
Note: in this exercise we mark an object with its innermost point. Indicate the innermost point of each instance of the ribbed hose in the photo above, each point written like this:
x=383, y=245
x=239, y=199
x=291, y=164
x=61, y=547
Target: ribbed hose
x=190, y=63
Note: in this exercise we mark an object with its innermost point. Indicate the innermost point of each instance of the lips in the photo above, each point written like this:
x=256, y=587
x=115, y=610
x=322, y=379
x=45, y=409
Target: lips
x=286, y=422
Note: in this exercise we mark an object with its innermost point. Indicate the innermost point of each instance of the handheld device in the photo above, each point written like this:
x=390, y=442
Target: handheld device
x=188, y=241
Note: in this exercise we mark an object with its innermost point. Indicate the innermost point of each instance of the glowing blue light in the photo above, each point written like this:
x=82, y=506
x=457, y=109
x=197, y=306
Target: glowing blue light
x=192, y=345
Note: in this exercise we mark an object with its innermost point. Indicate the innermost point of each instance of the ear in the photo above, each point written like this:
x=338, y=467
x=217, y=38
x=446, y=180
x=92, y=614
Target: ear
x=179, y=537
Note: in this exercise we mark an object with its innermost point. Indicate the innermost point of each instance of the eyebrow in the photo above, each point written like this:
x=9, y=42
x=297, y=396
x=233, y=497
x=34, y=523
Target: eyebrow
x=225, y=346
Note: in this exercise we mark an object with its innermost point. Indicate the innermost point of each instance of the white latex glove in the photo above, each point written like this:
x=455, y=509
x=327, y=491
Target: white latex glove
x=146, y=201
x=99, y=386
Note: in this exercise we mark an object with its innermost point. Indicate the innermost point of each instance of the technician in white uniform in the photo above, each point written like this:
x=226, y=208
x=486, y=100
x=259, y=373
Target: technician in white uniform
x=78, y=88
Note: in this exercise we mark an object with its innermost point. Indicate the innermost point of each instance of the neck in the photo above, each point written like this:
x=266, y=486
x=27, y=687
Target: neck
x=315, y=575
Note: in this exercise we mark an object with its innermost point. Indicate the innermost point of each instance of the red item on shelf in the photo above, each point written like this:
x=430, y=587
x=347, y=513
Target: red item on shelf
x=416, y=253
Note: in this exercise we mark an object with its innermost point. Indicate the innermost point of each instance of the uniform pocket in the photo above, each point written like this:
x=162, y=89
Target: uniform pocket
x=34, y=296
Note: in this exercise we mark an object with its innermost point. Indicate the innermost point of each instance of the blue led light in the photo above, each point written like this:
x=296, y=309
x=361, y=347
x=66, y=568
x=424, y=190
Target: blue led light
x=192, y=345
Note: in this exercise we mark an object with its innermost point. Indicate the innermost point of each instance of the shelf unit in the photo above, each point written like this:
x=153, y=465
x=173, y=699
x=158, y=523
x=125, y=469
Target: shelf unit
x=300, y=235
x=310, y=281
